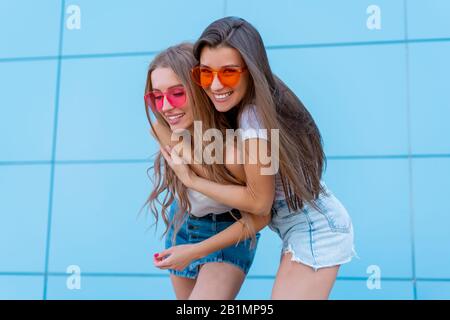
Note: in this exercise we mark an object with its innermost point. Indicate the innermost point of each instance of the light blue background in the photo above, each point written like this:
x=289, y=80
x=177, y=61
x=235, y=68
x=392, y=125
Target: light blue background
x=75, y=146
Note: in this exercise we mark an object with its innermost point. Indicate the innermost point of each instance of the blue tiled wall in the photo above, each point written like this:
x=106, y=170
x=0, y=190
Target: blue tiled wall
x=75, y=145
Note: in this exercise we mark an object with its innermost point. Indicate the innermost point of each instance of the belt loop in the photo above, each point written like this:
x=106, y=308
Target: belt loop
x=214, y=216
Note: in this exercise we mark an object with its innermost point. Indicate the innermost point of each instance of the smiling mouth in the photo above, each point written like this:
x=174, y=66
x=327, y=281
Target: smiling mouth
x=223, y=96
x=174, y=118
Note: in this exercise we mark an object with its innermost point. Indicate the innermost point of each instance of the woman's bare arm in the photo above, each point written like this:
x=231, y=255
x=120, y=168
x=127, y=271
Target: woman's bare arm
x=255, y=197
x=230, y=236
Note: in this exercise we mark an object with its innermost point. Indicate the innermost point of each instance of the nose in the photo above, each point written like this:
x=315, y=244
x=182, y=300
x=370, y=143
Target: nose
x=166, y=105
x=216, y=85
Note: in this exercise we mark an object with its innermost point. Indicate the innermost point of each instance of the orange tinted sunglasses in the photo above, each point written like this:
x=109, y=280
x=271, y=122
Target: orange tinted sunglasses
x=228, y=76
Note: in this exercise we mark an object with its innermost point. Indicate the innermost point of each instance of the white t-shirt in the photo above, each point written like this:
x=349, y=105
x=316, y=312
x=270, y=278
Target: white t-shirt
x=252, y=127
x=202, y=205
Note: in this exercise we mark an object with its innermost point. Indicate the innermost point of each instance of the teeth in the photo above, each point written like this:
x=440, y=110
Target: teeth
x=223, y=96
x=175, y=116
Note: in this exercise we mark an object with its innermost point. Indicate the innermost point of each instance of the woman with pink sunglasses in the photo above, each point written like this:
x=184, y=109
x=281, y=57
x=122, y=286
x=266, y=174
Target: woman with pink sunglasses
x=174, y=100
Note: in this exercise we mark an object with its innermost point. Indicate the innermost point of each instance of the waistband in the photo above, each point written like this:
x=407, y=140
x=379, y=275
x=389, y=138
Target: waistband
x=220, y=217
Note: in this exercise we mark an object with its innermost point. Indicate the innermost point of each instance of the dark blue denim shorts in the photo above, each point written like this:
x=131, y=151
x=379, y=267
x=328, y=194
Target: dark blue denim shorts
x=195, y=230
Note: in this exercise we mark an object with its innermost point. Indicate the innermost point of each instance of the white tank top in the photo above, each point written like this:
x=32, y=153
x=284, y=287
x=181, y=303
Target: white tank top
x=202, y=205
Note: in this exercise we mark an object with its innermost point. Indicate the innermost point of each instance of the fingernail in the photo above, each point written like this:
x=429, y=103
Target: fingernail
x=156, y=255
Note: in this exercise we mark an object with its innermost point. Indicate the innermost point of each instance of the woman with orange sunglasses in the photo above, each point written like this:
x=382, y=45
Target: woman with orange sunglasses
x=315, y=228
x=172, y=98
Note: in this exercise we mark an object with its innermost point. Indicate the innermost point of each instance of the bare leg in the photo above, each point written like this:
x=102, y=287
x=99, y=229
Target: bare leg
x=217, y=281
x=182, y=286
x=296, y=281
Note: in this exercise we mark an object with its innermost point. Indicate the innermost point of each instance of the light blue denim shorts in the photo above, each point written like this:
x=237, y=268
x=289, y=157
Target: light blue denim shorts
x=315, y=238
x=194, y=230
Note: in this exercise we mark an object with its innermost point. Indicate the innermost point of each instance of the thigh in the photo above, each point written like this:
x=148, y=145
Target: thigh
x=218, y=281
x=182, y=286
x=297, y=281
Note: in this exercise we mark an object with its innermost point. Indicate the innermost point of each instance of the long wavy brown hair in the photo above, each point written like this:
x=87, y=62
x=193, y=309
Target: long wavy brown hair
x=301, y=156
x=166, y=186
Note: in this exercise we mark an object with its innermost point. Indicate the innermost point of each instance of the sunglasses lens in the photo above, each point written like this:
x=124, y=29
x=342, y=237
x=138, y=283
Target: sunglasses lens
x=156, y=100
x=176, y=97
x=206, y=77
x=202, y=76
x=147, y=100
x=150, y=101
x=229, y=76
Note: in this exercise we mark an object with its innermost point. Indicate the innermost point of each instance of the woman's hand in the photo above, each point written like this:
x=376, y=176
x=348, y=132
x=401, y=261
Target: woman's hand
x=177, y=257
x=179, y=166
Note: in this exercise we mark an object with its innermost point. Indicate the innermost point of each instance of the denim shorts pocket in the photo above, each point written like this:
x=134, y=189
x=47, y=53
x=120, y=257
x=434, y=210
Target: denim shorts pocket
x=336, y=214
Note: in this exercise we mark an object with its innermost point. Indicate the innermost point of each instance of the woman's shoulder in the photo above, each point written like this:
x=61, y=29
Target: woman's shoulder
x=249, y=109
x=249, y=118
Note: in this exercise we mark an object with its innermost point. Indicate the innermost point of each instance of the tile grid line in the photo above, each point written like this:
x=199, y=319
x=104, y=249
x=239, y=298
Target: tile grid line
x=269, y=47
x=410, y=162
x=149, y=160
x=54, y=139
x=155, y=275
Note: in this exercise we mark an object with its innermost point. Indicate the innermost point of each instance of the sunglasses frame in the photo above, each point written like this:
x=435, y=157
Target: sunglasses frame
x=216, y=72
x=166, y=94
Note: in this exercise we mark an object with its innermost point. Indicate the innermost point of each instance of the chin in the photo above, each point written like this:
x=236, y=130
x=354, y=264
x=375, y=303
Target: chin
x=178, y=127
x=224, y=107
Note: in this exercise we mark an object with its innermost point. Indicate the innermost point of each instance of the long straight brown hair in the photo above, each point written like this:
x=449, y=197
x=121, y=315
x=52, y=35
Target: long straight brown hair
x=301, y=156
x=166, y=186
